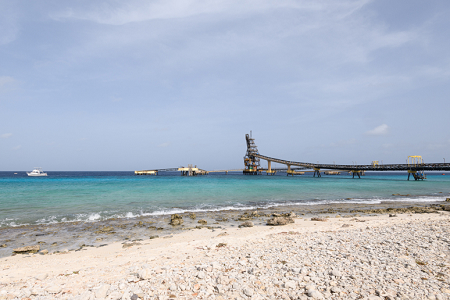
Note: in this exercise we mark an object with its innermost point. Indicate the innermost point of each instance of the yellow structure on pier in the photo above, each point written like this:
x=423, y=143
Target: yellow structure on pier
x=414, y=160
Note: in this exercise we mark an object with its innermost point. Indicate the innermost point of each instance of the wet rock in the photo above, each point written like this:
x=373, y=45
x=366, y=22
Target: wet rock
x=246, y=224
x=319, y=219
x=290, y=215
x=245, y=216
x=127, y=245
x=43, y=252
x=3, y=246
x=154, y=237
x=27, y=249
x=176, y=220
x=105, y=229
x=392, y=215
x=202, y=221
x=255, y=214
x=277, y=221
x=447, y=200
x=192, y=216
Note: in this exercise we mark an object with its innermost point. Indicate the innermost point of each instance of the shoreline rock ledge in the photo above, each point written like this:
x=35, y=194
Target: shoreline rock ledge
x=27, y=249
x=277, y=221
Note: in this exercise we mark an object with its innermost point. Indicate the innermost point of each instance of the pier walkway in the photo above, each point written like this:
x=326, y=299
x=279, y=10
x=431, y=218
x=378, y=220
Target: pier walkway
x=415, y=165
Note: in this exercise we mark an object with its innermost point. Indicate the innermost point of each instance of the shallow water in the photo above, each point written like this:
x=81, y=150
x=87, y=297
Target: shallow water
x=95, y=196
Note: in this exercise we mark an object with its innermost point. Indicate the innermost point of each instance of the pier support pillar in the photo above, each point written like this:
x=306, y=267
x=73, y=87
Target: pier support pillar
x=269, y=166
x=289, y=170
x=317, y=171
x=357, y=173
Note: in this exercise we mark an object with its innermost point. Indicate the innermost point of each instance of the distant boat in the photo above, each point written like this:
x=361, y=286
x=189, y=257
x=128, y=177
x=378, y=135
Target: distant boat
x=37, y=172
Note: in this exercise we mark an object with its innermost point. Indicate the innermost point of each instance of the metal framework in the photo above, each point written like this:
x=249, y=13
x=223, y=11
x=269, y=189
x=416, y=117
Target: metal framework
x=251, y=160
x=415, y=164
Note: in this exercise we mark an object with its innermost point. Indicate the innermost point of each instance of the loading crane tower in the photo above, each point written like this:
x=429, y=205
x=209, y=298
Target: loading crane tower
x=251, y=162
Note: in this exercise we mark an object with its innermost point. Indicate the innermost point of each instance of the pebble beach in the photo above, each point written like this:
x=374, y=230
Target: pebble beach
x=395, y=254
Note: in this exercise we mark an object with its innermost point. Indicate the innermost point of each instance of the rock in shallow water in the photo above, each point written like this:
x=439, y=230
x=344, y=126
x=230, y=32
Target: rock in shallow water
x=176, y=219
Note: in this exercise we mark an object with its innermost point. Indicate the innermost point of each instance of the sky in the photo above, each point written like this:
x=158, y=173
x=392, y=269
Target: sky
x=132, y=85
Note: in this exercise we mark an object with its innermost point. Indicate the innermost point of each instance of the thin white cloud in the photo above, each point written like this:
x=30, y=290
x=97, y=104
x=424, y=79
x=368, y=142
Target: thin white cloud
x=6, y=135
x=116, y=13
x=17, y=147
x=380, y=130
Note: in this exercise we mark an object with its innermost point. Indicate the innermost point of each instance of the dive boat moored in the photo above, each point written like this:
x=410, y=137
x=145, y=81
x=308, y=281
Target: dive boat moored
x=37, y=172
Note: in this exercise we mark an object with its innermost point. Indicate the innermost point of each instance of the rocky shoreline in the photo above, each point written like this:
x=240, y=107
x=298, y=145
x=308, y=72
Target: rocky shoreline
x=377, y=253
x=75, y=236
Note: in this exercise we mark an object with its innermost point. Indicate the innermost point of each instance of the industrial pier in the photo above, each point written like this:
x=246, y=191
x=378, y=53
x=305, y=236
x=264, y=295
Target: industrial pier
x=415, y=166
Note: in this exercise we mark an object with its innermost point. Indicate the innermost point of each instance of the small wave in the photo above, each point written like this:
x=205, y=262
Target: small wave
x=104, y=215
x=94, y=217
x=130, y=215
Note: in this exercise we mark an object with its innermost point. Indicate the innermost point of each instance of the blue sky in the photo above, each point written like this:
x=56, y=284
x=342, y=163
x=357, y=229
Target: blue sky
x=126, y=85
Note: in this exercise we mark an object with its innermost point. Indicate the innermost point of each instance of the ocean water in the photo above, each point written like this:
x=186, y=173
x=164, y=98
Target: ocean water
x=95, y=196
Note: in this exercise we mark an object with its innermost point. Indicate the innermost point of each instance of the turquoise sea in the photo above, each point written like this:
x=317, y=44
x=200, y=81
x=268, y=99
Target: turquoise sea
x=94, y=196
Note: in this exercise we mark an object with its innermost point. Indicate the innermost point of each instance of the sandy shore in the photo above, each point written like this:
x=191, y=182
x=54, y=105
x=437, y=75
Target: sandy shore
x=370, y=257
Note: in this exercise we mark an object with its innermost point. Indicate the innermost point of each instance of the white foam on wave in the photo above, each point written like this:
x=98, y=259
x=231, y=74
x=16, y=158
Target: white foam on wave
x=94, y=217
x=418, y=199
x=130, y=215
x=98, y=216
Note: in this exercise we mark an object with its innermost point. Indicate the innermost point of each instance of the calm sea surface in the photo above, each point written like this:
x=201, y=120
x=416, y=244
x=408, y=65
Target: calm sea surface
x=92, y=196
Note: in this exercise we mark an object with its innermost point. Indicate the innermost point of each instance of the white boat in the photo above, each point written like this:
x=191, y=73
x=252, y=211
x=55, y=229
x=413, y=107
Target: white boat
x=37, y=172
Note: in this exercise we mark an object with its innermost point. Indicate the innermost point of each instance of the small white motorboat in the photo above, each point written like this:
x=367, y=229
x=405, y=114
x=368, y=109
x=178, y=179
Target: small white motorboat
x=37, y=172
